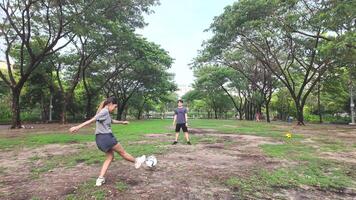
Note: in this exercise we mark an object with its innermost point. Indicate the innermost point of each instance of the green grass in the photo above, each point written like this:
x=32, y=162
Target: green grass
x=332, y=145
x=121, y=186
x=310, y=169
x=2, y=170
x=132, y=132
x=242, y=127
x=291, y=151
x=320, y=174
x=87, y=190
x=136, y=129
x=37, y=140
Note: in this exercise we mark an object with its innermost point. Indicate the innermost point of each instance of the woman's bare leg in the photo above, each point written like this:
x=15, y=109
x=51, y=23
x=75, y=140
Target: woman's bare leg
x=120, y=150
x=109, y=158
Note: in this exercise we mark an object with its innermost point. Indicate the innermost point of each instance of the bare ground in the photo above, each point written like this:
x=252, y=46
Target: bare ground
x=183, y=172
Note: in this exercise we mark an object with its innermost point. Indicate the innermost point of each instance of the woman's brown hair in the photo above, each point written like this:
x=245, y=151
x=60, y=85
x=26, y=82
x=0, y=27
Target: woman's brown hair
x=106, y=102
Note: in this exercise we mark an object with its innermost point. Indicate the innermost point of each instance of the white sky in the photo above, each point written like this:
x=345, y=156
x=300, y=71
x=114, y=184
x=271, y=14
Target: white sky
x=178, y=26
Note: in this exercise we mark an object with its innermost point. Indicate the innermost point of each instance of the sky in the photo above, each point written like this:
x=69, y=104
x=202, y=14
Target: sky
x=178, y=26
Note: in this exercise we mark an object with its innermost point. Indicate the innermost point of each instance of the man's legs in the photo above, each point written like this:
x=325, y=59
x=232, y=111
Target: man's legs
x=177, y=133
x=185, y=130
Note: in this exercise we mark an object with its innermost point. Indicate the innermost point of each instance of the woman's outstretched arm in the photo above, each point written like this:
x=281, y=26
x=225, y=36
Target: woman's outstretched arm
x=119, y=122
x=76, y=128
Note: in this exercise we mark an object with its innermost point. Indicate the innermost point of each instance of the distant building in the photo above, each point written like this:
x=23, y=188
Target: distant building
x=183, y=89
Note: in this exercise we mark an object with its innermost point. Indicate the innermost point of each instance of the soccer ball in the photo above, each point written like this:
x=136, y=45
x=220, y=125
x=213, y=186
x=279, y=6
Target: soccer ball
x=151, y=161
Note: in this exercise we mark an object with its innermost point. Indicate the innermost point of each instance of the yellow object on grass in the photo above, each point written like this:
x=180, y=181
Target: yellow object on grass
x=289, y=135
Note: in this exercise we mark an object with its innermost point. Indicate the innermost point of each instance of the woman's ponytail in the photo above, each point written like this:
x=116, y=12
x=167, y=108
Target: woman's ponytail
x=101, y=106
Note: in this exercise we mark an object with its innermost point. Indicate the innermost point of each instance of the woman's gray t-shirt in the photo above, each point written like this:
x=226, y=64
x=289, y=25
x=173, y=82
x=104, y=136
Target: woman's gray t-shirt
x=103, y=122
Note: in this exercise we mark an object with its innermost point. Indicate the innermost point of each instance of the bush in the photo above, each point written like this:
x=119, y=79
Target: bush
x=327, y=119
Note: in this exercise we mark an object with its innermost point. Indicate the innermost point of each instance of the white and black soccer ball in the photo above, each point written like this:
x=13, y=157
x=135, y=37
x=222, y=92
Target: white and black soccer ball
x=151, y=161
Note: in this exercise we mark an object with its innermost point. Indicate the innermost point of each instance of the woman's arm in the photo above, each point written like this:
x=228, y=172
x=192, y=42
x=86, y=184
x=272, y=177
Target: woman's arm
x=76, y=128
x=119, y=122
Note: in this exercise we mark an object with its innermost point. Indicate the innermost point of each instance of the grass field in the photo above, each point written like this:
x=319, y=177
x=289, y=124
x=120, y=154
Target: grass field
x=228, y=160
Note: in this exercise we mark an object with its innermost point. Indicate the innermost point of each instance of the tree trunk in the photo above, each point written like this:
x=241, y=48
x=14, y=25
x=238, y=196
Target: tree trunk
x=126, y=110
x=15, y=107
x=141, y=109
x=247, y=114
x=250, y=111
x=139, y=114
x=64, y=111
x=50, y=106
x=43, y=109
x=267, y=108
x=241, y=109
x=65, y=103
x=267, y=113
x=241, y=115
x=232, y=99
x=89, y=110
x=120, y=111
x=300, y=115
x=319, y=106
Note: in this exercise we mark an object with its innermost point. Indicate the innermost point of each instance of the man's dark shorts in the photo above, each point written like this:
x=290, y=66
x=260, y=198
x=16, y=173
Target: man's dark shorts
x=181, y=126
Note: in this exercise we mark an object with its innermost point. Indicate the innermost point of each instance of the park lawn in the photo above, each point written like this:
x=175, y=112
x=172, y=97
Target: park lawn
x=307, y=167
x=134, y=131
x=242, y=127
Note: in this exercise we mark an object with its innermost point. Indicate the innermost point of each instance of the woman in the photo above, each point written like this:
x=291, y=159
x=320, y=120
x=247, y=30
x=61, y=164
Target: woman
x=105, y=140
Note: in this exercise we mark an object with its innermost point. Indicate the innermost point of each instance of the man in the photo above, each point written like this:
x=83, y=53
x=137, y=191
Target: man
x=180, y=120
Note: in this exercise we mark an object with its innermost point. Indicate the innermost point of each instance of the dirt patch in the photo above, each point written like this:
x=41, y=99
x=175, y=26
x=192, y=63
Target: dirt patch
x=54, y=185
x=19, y=158
x=310, y=193
x=18, y=165
x=201, y=131
x=348, y=157
x=159, y=135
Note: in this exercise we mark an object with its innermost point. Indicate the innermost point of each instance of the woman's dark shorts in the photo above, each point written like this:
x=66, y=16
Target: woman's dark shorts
x=181, y=126
x=105, y=141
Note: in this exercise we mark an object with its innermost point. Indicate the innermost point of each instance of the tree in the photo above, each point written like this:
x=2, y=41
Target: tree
x=209, y=89
x=286, y=37
x=223, y=78
x=147, y=74
x=104, y=33
x=35, y=27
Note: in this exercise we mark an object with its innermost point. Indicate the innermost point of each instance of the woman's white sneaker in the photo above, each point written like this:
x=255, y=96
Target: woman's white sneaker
x=100, y=181
x=139, y=161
